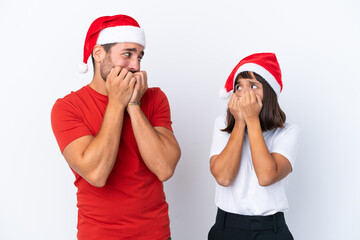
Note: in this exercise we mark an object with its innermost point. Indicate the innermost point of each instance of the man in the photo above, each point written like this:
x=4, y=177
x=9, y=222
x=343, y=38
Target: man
x=116, y=136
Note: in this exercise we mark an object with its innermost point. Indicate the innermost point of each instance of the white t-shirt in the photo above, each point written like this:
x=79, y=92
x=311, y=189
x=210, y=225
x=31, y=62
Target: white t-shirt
x=245, y=195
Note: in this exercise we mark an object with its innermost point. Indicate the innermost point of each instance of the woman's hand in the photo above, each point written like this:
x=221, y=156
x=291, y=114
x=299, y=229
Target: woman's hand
x=251, y=105
x=235, y=109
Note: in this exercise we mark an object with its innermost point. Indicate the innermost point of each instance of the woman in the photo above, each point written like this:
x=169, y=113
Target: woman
x=252, y=153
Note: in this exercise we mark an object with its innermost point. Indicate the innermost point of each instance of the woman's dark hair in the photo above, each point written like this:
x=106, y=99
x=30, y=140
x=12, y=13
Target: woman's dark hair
x=271, y=116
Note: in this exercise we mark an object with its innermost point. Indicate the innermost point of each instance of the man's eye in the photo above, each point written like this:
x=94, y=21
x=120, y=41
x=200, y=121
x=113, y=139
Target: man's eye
x=127, y=54
x=253, y=86
x=139, y=59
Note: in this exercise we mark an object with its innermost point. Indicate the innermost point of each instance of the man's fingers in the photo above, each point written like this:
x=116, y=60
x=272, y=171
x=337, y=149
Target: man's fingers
x=138, y=80
x=141, y=73
x=128, y=77
x=143, y=77
x=143, y=81
x=123, y=73
x=132, y=83
x=114, y=72
x=144, y=74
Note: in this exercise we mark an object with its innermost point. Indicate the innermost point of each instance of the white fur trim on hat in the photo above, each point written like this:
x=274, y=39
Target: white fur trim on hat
x=122, y=34
x=252, y=67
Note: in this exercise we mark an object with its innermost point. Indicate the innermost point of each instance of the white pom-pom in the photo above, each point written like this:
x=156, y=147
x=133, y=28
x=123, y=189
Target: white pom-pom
x=83, y=68
x=224, y=94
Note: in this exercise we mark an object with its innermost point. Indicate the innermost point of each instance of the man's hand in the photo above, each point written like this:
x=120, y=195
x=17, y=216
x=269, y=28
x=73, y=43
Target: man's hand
x=120, y=85
x=235, y=109
x=140, y=86
x=93, y=157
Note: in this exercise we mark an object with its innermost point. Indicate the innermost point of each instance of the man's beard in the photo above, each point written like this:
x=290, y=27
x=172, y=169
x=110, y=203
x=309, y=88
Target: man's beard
x=105, y=67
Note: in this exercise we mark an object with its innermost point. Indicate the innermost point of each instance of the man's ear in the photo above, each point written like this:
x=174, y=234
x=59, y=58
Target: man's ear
x=98, y=53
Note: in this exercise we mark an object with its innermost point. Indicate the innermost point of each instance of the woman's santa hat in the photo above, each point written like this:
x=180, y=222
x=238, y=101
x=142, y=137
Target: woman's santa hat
x=264, y=64
x=111, y=29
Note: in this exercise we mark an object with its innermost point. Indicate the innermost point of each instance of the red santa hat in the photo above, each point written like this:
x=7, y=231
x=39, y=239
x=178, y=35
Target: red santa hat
x=264, y=64
x=111, y=29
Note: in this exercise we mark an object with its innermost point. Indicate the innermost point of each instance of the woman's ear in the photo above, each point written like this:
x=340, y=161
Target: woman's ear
x=98, y=53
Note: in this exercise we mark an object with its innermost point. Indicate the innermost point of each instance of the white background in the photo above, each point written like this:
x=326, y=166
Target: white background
x=192, y=46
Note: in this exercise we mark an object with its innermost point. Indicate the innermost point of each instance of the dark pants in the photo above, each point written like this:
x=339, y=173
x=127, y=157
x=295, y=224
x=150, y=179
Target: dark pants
x=231, y=226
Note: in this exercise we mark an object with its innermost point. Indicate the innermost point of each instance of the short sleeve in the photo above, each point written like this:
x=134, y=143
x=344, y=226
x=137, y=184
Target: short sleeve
x=161, y=116
x=67, y=124
x=220, y=138
x=286, y=142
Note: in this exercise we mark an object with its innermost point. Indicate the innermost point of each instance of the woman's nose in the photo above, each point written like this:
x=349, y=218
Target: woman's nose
x=238, y=92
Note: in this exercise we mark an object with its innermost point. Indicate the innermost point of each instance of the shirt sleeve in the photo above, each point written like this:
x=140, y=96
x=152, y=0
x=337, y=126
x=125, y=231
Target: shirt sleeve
x=161, y=116
x=220, y=138
x=286, y=143
x=67, y=124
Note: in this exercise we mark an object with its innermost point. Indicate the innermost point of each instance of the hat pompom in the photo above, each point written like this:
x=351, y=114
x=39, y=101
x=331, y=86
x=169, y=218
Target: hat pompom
x=224, y=94
x=83, y=68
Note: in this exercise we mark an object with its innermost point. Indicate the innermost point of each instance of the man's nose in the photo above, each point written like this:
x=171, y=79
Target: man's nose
x=134, y=65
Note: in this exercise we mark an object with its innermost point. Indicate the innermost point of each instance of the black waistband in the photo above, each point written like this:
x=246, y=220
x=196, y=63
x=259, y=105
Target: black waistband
x=271, y=222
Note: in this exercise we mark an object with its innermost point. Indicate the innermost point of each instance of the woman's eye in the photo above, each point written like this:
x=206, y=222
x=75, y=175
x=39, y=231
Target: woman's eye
x=238, y=87
x=253, y=86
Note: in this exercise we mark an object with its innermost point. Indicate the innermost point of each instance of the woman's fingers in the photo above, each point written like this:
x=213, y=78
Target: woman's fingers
x=259, y=101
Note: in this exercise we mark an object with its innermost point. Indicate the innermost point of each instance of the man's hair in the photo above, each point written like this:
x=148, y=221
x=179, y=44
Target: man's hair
x=271, y=116
x=107, y=47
